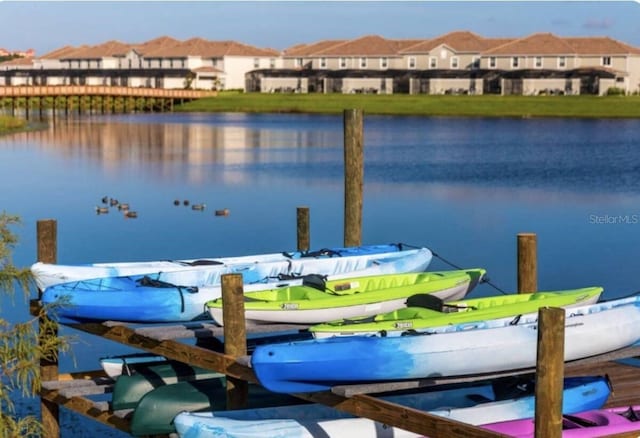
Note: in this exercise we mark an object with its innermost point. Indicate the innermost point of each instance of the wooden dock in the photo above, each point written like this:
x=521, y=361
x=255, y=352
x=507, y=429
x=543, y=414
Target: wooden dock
x=94, y=98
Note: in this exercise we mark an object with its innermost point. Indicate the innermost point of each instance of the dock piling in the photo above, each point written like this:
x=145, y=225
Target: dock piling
x=47, y=236
x=303, y=228
x=527, y=263
x=235, y=336
x=549, y=373
x=353, y=176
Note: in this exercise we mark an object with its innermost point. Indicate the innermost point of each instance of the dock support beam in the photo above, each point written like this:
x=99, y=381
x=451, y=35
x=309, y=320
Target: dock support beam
x=353, y=176
x=527, y=263
x=235, y=336
x=303, y=228
x=549, y=373
x=47, y=236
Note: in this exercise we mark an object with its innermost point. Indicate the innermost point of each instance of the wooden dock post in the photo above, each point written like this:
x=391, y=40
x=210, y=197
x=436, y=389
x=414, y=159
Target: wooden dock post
x=47, y=236
x=527, y=263
x=302, y=222
x=353, y=176
x=235, y=335
x=549, y=373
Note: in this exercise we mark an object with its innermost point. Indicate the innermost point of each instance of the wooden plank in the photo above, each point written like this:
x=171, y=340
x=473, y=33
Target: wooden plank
x=171, y=349
x=392, y=414
x=87, y=408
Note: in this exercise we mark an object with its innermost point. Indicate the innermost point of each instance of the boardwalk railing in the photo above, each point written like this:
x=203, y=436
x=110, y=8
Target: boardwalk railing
x=100, y=90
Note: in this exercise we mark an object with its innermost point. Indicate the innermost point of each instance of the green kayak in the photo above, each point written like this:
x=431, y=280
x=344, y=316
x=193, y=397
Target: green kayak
x=320, y=300
x=129, y=389
x=425, y=311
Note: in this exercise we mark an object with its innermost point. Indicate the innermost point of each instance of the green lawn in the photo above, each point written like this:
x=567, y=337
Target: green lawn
x=424, y=105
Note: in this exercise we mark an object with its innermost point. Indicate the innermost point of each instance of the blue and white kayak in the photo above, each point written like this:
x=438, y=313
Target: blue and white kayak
x=457, y=350
x=49, y=274
x=177, y=296
x=474, y=404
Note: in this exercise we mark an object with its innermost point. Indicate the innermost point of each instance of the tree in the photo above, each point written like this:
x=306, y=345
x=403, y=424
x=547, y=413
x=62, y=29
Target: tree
x=22, y=345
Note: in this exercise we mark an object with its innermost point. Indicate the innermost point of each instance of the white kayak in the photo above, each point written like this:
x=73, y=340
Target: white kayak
x=178, y=296
x=49, y=274
x=474, y=403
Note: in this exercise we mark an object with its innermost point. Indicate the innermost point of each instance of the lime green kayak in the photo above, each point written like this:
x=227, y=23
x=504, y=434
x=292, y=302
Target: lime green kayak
x=320, y=300
x=425, y=311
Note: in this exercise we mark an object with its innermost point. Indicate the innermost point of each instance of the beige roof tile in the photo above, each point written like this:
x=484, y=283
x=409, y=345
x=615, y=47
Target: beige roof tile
x=63, y=52
x=18, y=61
x=459, y=41
x=108, y=49
x=208, y=49
x=600, y=46
x=369, y=45
x=311, y=49
x=536, y=44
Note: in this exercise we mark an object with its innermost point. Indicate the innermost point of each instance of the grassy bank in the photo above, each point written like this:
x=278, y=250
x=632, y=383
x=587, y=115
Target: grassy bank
x=424, y=105
x=11, y=124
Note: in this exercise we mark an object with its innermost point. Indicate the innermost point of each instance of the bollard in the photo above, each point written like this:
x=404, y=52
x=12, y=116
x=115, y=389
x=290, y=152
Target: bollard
x=235, y=335
x=303, y=228
x=353, y=176
x=527, y=263
x=47, y=236
x=549, y=373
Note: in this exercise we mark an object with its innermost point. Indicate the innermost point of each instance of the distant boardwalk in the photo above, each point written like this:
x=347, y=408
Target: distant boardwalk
x=96, y=98
x=99, y=90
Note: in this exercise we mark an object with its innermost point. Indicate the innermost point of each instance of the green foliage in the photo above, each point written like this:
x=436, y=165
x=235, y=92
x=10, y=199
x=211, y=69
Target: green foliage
x=22, y=345
x=615, y=91
x=9, y=124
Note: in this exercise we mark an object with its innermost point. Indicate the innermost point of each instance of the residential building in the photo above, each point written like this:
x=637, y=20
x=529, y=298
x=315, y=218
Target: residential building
x=458, y=62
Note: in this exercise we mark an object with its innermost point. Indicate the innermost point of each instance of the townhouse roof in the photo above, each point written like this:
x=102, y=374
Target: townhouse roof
x=459, y=41
x=208, y=49
x=62, y=52
x=155, y=44
x=311, y=49
x=600, y=46
x=28, y=60
x=368, y=45
x=109, y=49
x=550, y=44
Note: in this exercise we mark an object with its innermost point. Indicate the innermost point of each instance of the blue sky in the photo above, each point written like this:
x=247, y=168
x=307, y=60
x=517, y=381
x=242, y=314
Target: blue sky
x=48, y=25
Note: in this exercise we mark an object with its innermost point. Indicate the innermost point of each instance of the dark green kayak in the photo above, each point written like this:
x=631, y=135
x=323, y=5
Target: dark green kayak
x=156, y=410
x=129, y=389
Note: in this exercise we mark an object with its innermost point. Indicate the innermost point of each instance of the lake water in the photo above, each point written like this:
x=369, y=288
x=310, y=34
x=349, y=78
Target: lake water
x=463, y=187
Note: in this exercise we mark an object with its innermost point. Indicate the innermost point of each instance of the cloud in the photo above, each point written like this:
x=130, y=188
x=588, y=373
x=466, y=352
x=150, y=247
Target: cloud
x=599, y=23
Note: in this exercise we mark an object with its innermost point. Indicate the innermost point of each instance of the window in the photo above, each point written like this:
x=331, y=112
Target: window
x=514, y=62
x=562, y=61
x=412, y=62
x=256, y=63
x=323, y=62
x=606, y=61
x=433, y=62
x=454, y=62
x=363, y=62
x=492, y=62
x=538, y=62
x=384, y=62
x=475, y=62
x=272, y=63
x=298, y=62
x=343, y=62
